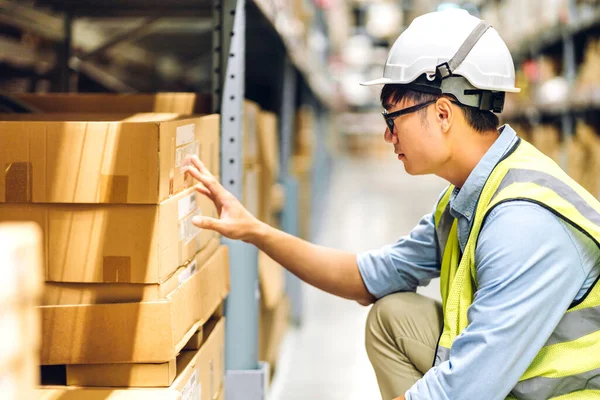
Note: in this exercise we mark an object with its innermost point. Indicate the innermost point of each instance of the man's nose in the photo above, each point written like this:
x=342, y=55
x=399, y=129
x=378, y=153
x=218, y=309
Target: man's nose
x=389, y=137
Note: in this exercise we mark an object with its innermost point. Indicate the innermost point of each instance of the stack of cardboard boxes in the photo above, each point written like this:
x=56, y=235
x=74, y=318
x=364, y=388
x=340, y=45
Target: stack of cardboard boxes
x=263, y=196
x=20, y=293
x=133, y=289
x=301, y=167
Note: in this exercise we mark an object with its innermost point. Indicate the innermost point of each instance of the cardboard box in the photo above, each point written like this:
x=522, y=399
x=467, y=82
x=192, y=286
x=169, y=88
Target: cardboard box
x=547, y=140
x=272, y=280
x=251, y=195
x=250, y=133
x=305, y=120
x=60, y=293
x=273, y=325
x=150, y=375
x=211, y=365
x=147, y=332
x=136, y=159
x=302, y=170
x=180, y=103
x=269, y=162
x=199, y=376
x=21, y=263
x=118, y=243
x=268, y=140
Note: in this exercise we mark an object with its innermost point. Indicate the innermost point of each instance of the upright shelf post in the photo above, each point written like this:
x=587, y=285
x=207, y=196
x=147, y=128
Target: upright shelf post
x=245, y=378
x=290, y=212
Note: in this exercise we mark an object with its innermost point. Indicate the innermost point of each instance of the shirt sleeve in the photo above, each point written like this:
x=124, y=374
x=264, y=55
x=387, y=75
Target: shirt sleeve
x=403, y=266
x=528, y=271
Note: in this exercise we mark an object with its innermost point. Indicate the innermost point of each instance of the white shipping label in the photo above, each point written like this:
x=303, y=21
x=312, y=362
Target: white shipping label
x=190, y=388
x=189, y=271
x=185, y=134
x=186, y=206
x=182, y=152
x=187, y=230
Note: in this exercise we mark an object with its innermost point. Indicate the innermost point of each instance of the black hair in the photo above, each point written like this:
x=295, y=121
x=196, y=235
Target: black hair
x=480, y=120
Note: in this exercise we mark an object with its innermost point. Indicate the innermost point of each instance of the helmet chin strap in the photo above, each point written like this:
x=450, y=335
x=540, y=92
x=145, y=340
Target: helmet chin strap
x=446, y=69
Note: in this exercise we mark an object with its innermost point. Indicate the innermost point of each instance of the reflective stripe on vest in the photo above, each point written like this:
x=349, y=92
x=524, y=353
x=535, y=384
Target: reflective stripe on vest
x=568, y=365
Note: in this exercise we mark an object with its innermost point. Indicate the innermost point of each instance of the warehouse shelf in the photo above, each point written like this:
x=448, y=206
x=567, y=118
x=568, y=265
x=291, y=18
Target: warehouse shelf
x=232, y=49
x=573, y=106
x=554, y=36
x=314, y=73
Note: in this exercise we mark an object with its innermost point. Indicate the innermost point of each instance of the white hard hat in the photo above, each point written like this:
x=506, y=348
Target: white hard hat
x=452, y=52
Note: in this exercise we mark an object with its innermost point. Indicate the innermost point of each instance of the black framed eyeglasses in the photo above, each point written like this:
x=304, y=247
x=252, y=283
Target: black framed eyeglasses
x=390, y=117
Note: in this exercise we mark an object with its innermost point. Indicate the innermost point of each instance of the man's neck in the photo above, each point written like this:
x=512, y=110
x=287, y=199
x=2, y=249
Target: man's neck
x=466, y=155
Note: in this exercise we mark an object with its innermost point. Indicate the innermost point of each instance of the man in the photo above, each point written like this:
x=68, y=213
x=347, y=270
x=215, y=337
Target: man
x=513, y=238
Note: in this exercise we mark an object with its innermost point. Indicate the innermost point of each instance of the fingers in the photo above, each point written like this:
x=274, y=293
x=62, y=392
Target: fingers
x=195, y=161
x=208, y=223
x=200, y=188
x=205, y=178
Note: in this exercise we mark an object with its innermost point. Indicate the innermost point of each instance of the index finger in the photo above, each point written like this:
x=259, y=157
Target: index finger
x=195, y=161
x=208, y=180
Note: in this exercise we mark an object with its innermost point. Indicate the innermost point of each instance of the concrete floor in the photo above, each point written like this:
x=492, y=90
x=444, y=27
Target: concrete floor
x=371, y=203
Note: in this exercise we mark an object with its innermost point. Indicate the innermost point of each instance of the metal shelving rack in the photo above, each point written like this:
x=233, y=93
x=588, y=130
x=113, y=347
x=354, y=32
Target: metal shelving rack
x=246, y=56
x=562, y=37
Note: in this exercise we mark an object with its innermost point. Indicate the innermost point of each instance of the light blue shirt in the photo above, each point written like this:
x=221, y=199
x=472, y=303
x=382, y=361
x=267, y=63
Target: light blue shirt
x=531, y=266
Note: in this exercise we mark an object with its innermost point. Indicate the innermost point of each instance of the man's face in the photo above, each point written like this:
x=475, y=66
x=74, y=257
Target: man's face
x=417, y=139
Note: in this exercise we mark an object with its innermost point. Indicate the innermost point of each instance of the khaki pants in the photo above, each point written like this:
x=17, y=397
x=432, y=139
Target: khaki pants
x=401, y=336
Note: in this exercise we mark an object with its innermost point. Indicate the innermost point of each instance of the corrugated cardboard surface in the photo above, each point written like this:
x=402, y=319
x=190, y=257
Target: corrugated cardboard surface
x=147, y=332
x=75, y=158
x=181, y=103
x=250, y=132
x=211, y=365
x=272, y=280
x=273, y=325
x=117, y=243
x=122, y=375
x=269, y=163
x=59, y=293
x=21, y=263
x=199, y=375
x=302, y=169
x=251, y=189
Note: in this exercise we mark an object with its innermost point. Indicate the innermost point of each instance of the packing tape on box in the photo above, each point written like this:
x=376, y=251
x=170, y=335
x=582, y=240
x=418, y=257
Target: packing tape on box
x=17, y=182
x=116, y=269
x=114, y=188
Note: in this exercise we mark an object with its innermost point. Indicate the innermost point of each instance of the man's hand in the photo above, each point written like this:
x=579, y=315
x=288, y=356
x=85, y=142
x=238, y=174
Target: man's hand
x=400, y=398
x=234, y=222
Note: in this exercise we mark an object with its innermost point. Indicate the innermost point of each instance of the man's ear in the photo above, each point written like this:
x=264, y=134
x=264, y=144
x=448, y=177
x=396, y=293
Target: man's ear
x=444, y=113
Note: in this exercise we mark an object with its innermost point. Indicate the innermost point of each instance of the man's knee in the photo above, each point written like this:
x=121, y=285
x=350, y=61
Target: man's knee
x=386, y=312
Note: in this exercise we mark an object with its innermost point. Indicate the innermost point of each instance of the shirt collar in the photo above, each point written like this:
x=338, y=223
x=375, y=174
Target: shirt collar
x=464, y=200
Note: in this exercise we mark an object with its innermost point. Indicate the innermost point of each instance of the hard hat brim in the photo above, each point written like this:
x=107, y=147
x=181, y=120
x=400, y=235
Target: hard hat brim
x=375, y=82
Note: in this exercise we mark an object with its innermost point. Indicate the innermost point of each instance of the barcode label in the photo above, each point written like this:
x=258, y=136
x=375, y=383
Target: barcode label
x=186, y=205
x=189, y=271
x=186, y=134
x=187, y=230
x=190, y=390
x=182, y=152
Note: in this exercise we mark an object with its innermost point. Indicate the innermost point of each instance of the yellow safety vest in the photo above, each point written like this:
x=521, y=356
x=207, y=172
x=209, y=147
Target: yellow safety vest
x=568, y=366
